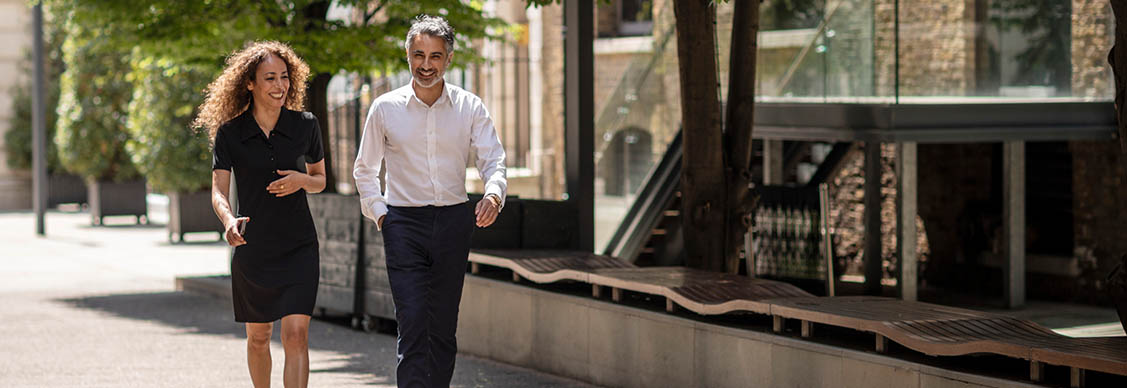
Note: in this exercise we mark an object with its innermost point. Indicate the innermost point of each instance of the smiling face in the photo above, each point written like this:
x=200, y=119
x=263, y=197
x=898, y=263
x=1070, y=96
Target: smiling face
x=428, y=59
x=271, y=83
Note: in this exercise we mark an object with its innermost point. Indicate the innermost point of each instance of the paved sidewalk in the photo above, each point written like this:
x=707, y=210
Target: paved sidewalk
x=95, y=307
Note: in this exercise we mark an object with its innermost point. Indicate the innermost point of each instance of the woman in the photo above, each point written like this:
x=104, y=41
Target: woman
x=256, y=132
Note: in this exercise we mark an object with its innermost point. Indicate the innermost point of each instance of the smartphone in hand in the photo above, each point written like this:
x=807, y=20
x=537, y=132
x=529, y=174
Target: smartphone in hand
x=241, y=223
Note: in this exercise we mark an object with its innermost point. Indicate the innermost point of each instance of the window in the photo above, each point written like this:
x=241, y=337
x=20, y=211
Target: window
x=635, y=17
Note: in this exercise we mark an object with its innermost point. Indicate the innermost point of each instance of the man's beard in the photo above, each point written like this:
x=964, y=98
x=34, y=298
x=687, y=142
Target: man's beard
x=433, y=81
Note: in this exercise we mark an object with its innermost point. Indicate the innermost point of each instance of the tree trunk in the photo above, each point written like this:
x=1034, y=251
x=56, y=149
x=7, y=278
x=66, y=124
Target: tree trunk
x=314, y=16
x=317, y=101
x=1117, y=58
x=703, y=204
x=741, y=109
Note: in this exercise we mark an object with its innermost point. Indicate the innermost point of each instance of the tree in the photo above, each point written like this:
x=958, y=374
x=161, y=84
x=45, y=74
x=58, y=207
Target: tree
x=92, y=108
x=172, y=156
x=717, y=153
x=1047, y=25
x=204, y=32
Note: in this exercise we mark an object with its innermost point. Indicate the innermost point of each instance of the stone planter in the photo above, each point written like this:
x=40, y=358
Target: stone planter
x=65, y=188
x=117, y=199
x=376, y=296
x=337, y=219
x=191, y=213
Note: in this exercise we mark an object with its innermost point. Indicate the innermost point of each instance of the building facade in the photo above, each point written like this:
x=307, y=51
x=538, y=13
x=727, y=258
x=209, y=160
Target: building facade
x=15, y=31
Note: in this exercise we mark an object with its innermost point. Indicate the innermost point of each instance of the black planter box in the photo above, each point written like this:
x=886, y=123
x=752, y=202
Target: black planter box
x=117, y=199
x=547, y=224
x=191, y=213
x=65, y=188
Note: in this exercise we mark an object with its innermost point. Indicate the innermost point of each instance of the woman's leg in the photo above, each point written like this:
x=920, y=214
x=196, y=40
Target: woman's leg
x=295, y=339
x=258, y=353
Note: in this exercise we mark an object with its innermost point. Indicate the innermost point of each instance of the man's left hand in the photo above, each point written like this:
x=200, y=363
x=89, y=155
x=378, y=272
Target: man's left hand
x=486, y=211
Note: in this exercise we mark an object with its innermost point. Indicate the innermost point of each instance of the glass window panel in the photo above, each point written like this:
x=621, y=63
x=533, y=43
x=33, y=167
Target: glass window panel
x=637, y=105
x=1012, y=49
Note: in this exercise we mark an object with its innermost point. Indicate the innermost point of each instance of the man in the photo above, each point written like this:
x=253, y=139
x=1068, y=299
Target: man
x=424, y=132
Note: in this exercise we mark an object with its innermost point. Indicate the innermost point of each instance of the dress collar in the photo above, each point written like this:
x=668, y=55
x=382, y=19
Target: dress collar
x=250, y=127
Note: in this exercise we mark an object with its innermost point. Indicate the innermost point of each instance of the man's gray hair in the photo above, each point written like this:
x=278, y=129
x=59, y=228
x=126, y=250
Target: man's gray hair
x=435, y=26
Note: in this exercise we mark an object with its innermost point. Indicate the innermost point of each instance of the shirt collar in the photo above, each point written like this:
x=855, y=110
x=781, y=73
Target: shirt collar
x=250, y=126
x=445, y=98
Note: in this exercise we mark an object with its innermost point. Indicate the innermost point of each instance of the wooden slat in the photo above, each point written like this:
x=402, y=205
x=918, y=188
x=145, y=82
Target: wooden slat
x=1103, y=354
x=949, y=331
x=546, y=266
x=702, y=292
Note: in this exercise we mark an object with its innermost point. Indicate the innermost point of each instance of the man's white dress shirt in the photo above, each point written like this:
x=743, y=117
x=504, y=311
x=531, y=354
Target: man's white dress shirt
x=426, y=149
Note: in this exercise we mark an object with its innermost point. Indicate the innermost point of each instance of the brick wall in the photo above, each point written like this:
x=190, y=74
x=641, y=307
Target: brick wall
x=1099, y=198
x=1092, y=22
x=606, y=19
x=553, y=177
x=847, y=210
x=936, y=47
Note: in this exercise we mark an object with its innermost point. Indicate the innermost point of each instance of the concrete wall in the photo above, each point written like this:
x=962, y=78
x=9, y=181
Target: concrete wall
x=611, y=345
x=15, y=32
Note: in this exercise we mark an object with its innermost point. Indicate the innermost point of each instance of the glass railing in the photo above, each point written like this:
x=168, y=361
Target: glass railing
x=909, y=51
x=639, y=113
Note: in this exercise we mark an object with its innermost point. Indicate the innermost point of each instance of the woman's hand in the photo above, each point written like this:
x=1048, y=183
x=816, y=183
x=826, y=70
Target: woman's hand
x=233, y=234
x=290, y=183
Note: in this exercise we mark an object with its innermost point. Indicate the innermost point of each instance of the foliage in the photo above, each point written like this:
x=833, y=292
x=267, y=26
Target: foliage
x=1047, y=26
x=172, y=156
x=204, y=32
x=93, y=102
x=331, y=36
x=791, y=14
x=17, y=141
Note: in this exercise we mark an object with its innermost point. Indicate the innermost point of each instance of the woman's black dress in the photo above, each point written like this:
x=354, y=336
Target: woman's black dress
x=275, y=273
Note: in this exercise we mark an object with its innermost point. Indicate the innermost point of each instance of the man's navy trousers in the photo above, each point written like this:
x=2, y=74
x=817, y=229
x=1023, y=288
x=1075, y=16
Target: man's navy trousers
x=426, y=249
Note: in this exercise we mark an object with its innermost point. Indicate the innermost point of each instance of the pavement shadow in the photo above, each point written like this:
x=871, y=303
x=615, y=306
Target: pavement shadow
x=371, y=355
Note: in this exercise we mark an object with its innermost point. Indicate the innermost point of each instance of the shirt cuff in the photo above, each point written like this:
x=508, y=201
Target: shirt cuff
x=374, y=211
x=495, y=190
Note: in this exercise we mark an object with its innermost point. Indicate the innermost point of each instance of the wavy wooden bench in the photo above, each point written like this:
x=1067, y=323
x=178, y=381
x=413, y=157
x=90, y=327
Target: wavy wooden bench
x=924, y=327
x=702, y=292
x=545, y=266
x=949, y=331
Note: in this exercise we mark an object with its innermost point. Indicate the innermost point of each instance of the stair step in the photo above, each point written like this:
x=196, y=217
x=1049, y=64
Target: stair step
x=659, y=232
x=672, y=213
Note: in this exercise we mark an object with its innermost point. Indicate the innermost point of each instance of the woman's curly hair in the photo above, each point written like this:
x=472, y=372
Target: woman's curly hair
x=227, y=96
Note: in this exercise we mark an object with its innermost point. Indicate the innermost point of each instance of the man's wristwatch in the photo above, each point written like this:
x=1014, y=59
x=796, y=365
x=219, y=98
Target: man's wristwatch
x=493, y=198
